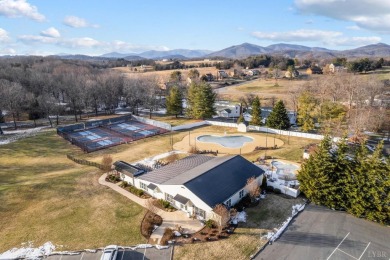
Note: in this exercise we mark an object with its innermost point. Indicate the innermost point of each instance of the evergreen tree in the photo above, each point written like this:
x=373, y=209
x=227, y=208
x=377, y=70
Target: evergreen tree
x=278, y=118
x=313, y=177
x=200, y=101
x=376, y=187
x=174, y=101
x=256, y=112
x=339, y=177
x=357, y=186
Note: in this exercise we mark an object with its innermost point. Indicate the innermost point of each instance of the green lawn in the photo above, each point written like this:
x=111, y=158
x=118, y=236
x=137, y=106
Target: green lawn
x=46, y=197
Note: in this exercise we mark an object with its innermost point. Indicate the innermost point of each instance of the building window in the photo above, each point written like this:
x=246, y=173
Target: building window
x=143, y=186
x=182, y=206
x=200, y=212
x=241, y=194
x=228, y=203
x=169, y=197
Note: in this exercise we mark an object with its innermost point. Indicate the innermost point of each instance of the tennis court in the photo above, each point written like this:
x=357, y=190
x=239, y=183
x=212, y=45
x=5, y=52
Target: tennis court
x=101, y=134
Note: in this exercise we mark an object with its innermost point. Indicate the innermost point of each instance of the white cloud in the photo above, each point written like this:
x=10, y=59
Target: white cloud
x=368, y=14
x=51, y=32
x=353, y=41
x=84, y=42
x=333, y=38
x=129, y=47
x=77, y=22
x=3, y=35
x=7, y=51
x=353, y=28
x=298, y=35
x=20, y=8
x=34, y=39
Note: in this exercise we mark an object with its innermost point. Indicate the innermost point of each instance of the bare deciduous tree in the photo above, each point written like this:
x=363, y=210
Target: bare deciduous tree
x=107, y=162
x=222, y=216
x=252, y=188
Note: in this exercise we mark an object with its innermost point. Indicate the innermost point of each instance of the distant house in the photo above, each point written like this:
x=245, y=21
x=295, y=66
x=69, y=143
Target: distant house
x=197, y=183
x=208, y=77
x=253, y=72
x=221, y=74
x=314, y=70
x=293, y=74
x=266, y=111
x=227, y=109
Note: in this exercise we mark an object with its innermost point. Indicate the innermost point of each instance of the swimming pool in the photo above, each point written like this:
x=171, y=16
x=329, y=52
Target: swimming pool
x=231, y=141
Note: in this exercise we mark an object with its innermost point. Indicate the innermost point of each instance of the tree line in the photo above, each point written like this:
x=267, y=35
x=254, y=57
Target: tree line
x=43, y=88
x=356, y=181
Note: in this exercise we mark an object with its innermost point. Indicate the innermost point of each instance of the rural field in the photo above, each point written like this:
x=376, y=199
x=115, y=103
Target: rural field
x=163, y=75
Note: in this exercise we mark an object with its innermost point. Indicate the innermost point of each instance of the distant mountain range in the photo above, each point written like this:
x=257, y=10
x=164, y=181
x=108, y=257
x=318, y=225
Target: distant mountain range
x=245, y=50
x=299, y=51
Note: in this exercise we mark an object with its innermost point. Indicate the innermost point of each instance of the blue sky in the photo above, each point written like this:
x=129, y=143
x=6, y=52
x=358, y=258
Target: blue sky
x=43, y=27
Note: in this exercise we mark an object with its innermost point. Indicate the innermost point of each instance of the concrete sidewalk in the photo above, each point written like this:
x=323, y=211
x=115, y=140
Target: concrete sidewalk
x=170, y=219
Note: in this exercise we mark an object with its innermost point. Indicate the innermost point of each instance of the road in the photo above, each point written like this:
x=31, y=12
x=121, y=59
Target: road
x=320, y=233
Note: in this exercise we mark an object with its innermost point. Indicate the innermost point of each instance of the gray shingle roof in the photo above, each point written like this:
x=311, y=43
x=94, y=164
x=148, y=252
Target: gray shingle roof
x=151, y=186
x=222, y=181
x=181, y=199
x=212, y=179
x=125, y=167
x=174, y=169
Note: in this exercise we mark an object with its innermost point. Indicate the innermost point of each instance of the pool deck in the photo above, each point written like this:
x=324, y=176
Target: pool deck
x=186, y=143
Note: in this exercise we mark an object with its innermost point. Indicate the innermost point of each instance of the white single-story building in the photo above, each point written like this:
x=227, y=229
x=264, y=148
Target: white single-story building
x=197, y=183
x=227, y=109
x=266, y=111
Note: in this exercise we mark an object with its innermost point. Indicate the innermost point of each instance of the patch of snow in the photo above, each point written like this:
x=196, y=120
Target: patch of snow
x=161, y=247
x=295, y=210
x=19, y=134
x=239, y=217
x=122, y=113
x=143, y=246
x=152, y=160
x=177, y=233
x=29, y=252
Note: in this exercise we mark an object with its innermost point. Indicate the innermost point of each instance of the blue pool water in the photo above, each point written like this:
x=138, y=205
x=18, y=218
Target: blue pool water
x=232, y=141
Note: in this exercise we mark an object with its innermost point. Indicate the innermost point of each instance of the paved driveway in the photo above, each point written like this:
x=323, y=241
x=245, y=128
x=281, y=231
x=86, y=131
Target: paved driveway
x=320, y=233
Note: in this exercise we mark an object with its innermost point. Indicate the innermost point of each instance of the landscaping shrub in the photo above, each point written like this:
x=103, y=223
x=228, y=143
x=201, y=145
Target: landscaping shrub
x=135, y=191
x=210, y=223
x=165, y=204
x=123, y=184
x=277, y=191
x=113, y=178
x=269, y=188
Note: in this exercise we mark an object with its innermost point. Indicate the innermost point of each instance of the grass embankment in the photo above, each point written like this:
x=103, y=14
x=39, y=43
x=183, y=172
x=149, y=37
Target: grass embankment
x=269, y=214
x=46, y=197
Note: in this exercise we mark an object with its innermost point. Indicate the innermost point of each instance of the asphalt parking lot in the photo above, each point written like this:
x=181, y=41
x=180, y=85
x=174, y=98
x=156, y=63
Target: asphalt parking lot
x=320, y=233
x=123, y=254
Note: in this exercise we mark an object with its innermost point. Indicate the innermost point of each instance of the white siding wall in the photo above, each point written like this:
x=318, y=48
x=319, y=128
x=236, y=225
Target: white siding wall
x=236, y=197
x=183, y=191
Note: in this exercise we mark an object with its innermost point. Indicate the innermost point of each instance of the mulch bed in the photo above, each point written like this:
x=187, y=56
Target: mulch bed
x=206, y=234
x=149, y=221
